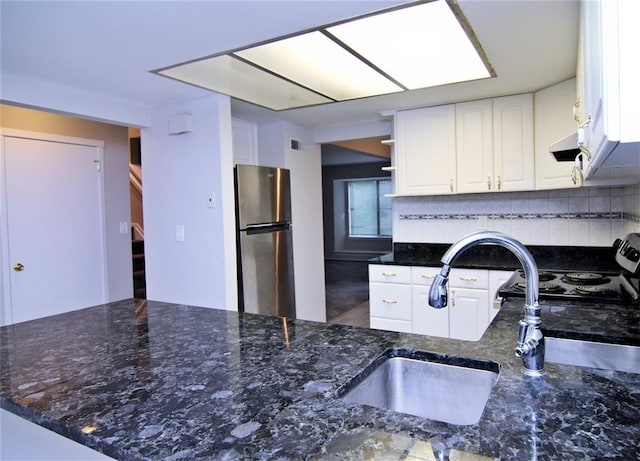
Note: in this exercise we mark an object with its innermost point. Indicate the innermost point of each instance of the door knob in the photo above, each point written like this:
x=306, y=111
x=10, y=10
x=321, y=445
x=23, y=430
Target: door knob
x=18, y=267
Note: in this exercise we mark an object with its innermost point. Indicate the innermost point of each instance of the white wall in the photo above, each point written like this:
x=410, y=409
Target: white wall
x=306, y=210
x=46, y=95
x=179, y=173
x=582, y=217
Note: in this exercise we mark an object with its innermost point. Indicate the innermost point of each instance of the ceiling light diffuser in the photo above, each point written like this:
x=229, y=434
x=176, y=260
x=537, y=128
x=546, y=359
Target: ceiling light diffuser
x=227, y=75
x=319, y=63
x=420, y=45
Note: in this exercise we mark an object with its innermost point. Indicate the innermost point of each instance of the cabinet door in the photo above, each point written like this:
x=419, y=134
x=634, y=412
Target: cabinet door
x=513, y=142
x=553, y=121
x=496, y=279
x=609, y=37
x=425, y=149
x=426, y=319
x=468, y=313
x=591, y=60
x=474, y=146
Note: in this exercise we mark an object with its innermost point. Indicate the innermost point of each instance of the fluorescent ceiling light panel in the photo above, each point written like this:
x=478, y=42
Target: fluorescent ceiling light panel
x=420, y=46
x=405, y=48
x=319, y=63
x=227, y=75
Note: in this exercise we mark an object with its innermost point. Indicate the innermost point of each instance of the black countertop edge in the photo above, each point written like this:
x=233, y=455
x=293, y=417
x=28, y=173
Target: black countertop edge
x=558, y=258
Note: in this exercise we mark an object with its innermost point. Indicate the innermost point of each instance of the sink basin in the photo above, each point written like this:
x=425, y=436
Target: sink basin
x=442, y=388
x=618, y=357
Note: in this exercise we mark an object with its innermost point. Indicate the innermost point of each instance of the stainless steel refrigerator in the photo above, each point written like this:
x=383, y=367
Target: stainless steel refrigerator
x=265, y=252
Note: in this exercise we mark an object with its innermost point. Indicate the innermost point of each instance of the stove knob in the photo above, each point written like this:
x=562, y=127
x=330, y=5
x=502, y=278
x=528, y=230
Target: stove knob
x=634, y=255
x=625, y=247
x=617, y=243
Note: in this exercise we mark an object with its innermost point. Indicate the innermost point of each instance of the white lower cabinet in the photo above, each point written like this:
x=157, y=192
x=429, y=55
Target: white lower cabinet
x=468, y=314
x=390, y=298
x=468, y=303
x=496, y=280
x=426, y=319
x=403, y=305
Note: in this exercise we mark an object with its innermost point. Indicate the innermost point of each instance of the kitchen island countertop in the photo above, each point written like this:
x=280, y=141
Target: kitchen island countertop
x=161, y=381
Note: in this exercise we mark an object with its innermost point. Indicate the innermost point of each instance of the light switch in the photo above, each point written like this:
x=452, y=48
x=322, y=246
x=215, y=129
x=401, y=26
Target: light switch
x=179, y=233
x=124, y=227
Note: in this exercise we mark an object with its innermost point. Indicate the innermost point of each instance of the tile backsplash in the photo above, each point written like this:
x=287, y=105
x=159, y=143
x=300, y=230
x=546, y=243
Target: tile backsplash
x=582, y=217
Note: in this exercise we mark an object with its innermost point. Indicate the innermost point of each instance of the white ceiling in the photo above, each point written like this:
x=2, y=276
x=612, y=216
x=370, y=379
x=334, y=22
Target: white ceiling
x=109, y=47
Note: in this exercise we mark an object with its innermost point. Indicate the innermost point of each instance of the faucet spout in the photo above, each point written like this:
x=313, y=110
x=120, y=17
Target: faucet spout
x=530, y=345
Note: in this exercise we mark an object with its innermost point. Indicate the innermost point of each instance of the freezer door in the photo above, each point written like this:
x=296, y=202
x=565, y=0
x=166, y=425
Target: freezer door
x=263, y=195
x=267, y=285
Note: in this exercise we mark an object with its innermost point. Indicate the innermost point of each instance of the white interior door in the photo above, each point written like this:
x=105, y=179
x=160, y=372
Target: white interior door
x=55, y=243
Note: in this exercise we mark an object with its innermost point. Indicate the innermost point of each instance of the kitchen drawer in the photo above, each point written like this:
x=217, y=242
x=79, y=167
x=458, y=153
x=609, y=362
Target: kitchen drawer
x=390, y=301
x=469, y=278
x=403, y=326
x=424, y=275
x=389, y=273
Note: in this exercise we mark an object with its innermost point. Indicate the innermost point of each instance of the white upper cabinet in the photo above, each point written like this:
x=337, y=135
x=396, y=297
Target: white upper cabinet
x=553, y=121
x=513, y=143
x=425, y=151
x=608, y=76
x=495, y=144
x=474, y=146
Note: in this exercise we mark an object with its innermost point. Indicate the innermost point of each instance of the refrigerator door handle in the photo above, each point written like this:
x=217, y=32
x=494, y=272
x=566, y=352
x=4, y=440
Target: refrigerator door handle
x=268, y=227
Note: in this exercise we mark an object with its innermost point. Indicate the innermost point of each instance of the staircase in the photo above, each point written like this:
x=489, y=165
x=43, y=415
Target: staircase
x=139, y=282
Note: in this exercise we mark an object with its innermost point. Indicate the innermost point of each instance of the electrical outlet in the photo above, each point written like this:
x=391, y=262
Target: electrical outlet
x=179, y=233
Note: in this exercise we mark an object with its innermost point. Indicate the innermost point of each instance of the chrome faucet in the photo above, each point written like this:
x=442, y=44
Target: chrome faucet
x=530, y=346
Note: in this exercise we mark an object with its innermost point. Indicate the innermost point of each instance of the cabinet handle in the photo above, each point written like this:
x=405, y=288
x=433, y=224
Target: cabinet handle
x=388, y=274
x=453, y=298
x=425, y=276
x=488, y=182
x=389, y=301
x=499, y=182
x=451, y=184
x=468, y=279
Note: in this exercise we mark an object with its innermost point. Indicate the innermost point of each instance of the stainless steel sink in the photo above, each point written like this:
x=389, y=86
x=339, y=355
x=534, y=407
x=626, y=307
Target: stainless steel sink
x=618, y=357
x=442, y=388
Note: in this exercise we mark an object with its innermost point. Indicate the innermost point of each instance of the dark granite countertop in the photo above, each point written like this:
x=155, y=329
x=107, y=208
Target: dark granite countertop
x=547, y=257
x=172, y=382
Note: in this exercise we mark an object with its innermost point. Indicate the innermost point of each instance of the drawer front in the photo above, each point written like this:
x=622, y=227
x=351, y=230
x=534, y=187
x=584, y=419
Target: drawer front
x=403, y=326
x=424, y=275
x=390, y=301
x=389, y=274
x=469, y=278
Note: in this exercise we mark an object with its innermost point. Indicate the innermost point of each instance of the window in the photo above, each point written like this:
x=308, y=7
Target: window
x=369, y=209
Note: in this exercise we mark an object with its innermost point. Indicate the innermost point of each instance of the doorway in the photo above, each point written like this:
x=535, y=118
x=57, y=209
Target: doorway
x=353, y=183
x=137, y=220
